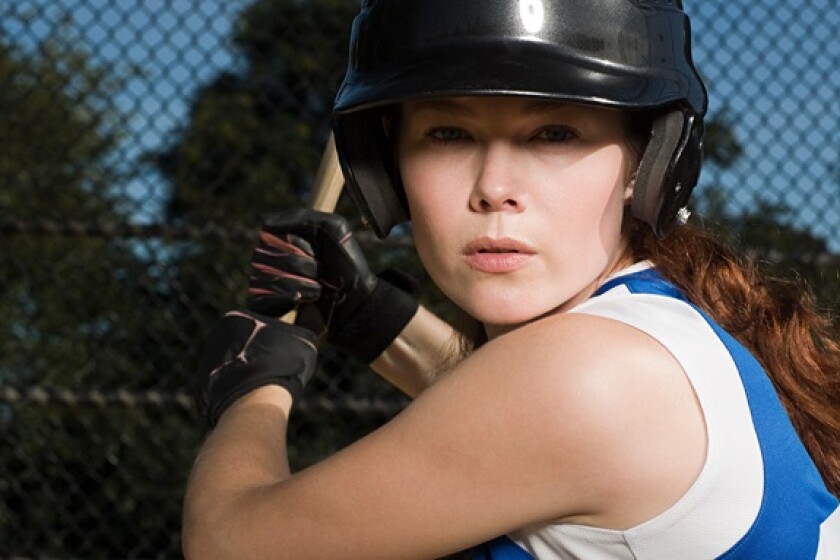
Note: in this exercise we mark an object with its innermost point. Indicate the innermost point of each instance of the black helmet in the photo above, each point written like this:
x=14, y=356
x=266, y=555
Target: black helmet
x=631, y=54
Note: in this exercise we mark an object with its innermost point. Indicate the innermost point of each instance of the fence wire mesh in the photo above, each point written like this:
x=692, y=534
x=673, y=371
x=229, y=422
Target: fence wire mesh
x=141, y=142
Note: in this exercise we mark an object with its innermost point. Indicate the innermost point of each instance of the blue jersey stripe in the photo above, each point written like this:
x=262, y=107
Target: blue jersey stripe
x=795, y=501
x=788, y=523
x=501, y=548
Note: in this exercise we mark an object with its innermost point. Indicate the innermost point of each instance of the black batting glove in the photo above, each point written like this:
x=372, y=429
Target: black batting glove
x=246, y=351
x=298, y=250
x=284, y=274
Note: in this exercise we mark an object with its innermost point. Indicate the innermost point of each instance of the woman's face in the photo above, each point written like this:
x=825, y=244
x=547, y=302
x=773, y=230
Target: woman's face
x=516, y=203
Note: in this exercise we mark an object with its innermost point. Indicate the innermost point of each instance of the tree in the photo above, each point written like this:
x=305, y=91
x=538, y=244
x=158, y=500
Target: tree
x=254, y=137
x=764, y=234
x=251, y=146
x=75, y=318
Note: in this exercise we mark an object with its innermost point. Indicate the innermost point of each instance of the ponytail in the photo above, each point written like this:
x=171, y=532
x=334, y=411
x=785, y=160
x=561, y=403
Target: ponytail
x=775, y=318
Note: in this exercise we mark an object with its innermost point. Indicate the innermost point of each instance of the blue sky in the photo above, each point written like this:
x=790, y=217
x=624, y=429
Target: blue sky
x=771, y=65
x=165, y=49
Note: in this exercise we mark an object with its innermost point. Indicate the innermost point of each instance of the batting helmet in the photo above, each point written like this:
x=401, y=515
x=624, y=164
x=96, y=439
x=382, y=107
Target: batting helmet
x=629, y=54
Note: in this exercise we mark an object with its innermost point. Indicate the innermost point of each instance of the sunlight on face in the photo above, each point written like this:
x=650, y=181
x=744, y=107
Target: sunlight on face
x=516, y=203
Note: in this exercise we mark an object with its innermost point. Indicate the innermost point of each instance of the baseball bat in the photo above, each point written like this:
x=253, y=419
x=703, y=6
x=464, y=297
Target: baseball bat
x=325, y=192
x=328, y=180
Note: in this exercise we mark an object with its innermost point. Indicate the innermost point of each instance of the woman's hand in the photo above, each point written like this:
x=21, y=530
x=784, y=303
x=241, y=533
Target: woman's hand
x=308, y=257
x=246, y=351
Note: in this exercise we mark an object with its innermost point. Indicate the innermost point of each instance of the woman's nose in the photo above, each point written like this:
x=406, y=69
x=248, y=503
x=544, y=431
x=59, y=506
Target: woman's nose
x=497, y=186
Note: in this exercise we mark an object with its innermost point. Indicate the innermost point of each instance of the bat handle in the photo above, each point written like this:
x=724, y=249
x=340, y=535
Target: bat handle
x=325, y=192
x=290, y=317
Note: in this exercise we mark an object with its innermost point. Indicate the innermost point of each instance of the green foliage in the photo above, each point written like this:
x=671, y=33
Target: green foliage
x=722, y=147
x=255, y=136
x=53, y=167
x=54, y=127
x=76, y=316
x=91, y=482
x=764, y=233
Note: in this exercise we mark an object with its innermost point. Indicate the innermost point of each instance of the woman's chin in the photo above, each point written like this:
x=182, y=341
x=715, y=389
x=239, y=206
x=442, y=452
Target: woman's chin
x=505, y=317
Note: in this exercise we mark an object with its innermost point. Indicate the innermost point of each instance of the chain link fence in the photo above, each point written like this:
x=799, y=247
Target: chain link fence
x=141, y=141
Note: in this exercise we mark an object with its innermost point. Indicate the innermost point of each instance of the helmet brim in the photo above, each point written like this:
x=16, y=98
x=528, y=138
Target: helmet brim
x=544, y=76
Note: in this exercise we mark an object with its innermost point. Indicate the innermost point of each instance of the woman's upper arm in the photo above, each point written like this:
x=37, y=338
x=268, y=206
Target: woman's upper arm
x=518, y=433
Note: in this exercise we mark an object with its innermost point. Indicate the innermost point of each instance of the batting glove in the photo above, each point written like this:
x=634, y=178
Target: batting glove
x=307, y=256
x=246, y=351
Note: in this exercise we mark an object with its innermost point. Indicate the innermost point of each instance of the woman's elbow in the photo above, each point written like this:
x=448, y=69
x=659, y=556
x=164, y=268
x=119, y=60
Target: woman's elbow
x=191, y=541
x=201, y=538
x=195, y=540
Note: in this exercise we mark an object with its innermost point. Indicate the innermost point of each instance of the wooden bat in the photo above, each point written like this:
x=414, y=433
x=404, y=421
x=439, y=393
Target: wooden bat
x=325, y=192
x=328, y=180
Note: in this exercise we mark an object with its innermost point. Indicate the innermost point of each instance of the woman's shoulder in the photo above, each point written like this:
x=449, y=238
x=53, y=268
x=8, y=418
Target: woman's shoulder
x=573, y=349
x=616, y=400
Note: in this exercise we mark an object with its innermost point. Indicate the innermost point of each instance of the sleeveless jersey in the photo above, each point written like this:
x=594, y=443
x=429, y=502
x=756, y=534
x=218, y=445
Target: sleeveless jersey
x=757, y=497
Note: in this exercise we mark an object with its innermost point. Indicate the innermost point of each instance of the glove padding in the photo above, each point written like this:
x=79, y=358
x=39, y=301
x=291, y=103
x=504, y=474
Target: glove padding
x=306, y=256
x=246, y=351
x=283, y=274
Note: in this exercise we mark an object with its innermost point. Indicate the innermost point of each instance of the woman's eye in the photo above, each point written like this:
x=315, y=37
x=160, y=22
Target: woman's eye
x=447, y=134
x=556, y=134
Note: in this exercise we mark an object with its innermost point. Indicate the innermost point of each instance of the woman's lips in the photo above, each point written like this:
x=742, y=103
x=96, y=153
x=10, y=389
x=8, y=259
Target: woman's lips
x=497, y=255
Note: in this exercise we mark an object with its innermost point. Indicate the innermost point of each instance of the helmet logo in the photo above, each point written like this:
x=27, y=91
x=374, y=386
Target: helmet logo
x=532, y=13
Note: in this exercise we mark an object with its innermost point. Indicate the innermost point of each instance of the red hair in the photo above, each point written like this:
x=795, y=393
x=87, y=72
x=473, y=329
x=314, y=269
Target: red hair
x=776, y=319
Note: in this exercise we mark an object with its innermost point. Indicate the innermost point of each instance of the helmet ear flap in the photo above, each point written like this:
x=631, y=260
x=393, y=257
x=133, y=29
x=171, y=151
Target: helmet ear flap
x=367, y=161
x=661, y=188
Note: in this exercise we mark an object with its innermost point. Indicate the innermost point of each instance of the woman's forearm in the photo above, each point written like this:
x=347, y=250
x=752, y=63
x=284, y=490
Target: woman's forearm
x=418, y=355
x=245, y=453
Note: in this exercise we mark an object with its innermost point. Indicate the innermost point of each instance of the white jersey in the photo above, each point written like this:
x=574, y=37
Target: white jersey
x=758, y=495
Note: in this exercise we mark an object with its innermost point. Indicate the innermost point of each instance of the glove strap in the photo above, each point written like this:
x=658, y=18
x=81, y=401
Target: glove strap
x=376, y=323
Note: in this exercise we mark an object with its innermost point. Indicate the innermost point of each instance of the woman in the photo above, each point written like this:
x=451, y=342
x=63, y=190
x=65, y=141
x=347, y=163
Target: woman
x=543, y=151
